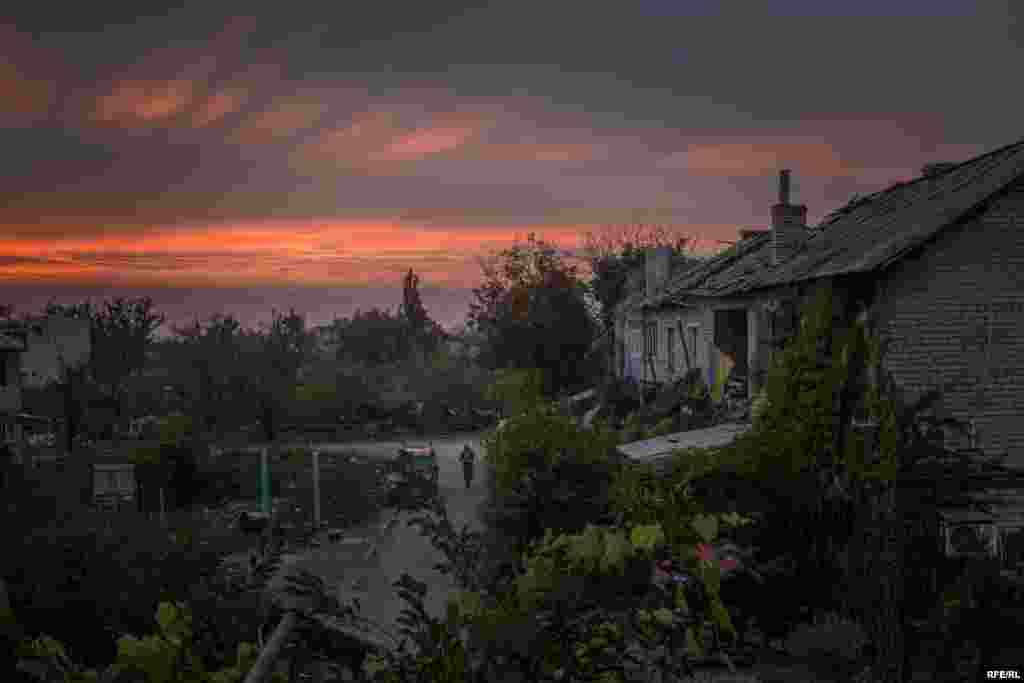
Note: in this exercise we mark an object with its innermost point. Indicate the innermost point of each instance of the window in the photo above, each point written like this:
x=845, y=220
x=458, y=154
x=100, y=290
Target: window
x=651, y=340
x=670, y=345
x=694, y=332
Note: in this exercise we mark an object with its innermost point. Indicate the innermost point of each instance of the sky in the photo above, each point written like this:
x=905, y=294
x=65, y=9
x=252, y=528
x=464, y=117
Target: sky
x=233, y=157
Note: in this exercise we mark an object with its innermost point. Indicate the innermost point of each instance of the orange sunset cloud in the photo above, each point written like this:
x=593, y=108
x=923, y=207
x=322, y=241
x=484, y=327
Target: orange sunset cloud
x=20, y=95
x=217, y=106
x=377, y=144
x=143, y=101
x=760, y=159
x=328, y=253
x=285, y=118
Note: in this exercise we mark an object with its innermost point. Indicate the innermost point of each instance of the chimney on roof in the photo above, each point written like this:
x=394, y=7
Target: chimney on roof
x=657, y=261
x=789, y=223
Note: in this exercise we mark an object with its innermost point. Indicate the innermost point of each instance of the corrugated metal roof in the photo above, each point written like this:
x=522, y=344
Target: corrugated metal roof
x=659, y=448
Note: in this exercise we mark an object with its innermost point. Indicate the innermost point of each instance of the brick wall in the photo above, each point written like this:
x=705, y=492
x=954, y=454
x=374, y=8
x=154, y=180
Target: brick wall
x=954, y=312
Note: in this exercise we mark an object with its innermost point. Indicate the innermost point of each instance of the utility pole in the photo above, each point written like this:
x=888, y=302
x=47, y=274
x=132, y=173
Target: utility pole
x=264, y=481
x=316, y=487
x=163, y=508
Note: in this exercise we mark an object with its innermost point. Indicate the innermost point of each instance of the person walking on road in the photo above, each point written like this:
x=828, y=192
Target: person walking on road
x=467, y=457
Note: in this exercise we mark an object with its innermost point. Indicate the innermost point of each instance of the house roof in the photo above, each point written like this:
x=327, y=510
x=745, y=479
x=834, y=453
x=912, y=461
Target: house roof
x=728, y=272
x=637, y=298
x=866, y=234
x=10, y=342
x=877, y=230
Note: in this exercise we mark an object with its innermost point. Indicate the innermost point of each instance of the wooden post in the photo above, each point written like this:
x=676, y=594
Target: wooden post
x=316, y=488
x=264, y=481
x=163, y=509
x=686, y=348
x=264, y=665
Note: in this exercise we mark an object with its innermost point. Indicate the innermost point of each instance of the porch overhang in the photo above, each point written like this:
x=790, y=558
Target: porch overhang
x=656, y=451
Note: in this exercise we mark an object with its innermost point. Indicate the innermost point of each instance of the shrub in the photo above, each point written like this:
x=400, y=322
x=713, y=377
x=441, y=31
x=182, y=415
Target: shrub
x=546, y=473
x=168, y=655
x=663, y=427
x=830, y=634
x=88, y=576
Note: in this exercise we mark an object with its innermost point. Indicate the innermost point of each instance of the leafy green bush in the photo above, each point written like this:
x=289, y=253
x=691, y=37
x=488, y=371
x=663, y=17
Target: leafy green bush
x=538, y=438
x=581, y=606
x=517, y=390
x=88, y=576
x=546, y=472
x=663, y=427
x=167, y=656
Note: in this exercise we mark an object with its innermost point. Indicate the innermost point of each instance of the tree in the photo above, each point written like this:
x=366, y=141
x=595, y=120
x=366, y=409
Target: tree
x=212, y=352
x=618, y=251
x=532, y=313
x=424, y=334
x=73, y=383
x=274, y=357
x=122, y=331
x=374, y=337
x=412, y=306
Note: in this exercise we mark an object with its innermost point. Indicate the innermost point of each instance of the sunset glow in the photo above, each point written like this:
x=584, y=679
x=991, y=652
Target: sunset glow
x=299, y=149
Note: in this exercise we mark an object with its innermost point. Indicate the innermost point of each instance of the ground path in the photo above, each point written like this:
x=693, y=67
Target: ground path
x=365, y=564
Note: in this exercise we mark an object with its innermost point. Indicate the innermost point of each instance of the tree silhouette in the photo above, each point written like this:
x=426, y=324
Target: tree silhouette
x=532, y=312
x=274, y=357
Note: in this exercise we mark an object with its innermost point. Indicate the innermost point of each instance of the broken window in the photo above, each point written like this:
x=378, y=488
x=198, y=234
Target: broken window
x=670, y=346
x=694, y=332
x=651, y=340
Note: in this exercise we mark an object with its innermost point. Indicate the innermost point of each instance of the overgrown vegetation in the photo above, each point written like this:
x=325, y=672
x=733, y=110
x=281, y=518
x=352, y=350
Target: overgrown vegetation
x=592, y=569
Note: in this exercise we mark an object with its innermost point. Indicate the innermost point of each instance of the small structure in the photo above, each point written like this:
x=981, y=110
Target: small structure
x=656, y=451
x=12, y=348
x=113, y=484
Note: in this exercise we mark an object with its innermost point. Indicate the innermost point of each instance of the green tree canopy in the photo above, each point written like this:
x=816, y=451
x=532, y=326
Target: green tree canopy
x=532, y=312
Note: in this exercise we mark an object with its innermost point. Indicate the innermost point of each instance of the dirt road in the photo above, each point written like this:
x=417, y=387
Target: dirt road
x=369, y=560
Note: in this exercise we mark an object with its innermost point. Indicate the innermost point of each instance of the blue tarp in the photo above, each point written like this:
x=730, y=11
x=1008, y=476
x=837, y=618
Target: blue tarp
x=634, y=366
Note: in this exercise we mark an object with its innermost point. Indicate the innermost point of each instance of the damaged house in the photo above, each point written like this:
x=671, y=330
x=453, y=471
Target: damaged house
x=939, y=260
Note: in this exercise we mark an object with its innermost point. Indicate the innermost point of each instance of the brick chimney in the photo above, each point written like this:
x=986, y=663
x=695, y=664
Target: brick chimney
x=657, y=261
x=789, y=223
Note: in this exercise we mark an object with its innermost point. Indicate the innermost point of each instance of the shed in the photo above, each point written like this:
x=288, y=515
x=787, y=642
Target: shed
x=113, y=484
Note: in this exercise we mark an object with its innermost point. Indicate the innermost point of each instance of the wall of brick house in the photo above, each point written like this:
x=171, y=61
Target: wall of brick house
x=955, y=312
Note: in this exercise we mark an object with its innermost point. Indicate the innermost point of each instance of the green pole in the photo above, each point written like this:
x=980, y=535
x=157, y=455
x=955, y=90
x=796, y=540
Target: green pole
x=264, y=482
